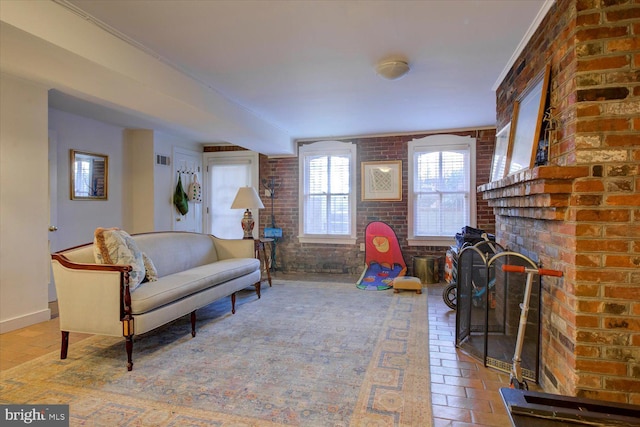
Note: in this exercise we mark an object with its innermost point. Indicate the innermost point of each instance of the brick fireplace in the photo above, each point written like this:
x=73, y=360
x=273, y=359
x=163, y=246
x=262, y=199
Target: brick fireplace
x=581, y=213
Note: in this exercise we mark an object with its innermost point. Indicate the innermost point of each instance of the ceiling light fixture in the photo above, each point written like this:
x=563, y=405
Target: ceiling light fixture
x=392, y=69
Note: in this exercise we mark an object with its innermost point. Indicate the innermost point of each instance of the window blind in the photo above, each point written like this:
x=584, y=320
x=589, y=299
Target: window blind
x=327, y=195
x=441, y=192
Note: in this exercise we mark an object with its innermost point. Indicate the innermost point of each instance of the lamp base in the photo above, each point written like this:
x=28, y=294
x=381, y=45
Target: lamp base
x=247, y=224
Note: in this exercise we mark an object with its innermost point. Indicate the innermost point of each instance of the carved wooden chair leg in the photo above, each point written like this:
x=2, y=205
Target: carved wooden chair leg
x=193, y=323
x=64, y=346
x=233, y=303
x=129, y=346
x=257, y=286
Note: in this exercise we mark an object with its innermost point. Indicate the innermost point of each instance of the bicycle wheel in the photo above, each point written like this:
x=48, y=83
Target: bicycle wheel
x=450, y=296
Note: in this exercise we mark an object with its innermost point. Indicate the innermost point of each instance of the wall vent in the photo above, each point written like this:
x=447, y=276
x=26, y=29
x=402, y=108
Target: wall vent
x=163, y=160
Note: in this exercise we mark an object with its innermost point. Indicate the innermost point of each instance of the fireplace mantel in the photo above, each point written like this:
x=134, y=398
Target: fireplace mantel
x=543, y=192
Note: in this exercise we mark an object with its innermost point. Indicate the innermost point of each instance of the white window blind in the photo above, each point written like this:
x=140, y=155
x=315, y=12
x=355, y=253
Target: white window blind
x=224, y=184
x=226, y=172
x=327, y=202
x=442, y=193
x=442, y=196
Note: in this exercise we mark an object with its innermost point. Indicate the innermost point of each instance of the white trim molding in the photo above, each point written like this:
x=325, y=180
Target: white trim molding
x=24, y=321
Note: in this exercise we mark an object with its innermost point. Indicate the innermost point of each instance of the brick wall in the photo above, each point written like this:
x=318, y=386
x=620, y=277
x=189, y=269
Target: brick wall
x=591, y=317
x=294, y=256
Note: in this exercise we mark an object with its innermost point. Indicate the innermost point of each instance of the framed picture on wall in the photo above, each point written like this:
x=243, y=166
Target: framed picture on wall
x=527, y=122
x=381, y=181
x=499, y=162
x=89, y=176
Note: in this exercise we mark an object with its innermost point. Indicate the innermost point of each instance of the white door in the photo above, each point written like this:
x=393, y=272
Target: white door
x=188, y=166
x=226, y=172
x=53, y=207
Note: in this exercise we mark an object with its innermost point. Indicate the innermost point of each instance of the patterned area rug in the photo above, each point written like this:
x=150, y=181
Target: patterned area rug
x=305, y=354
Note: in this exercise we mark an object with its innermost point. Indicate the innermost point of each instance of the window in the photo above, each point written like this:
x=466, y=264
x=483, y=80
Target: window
x=226, y=172
x=327, y=202
x=83, y=178
x=441, y=188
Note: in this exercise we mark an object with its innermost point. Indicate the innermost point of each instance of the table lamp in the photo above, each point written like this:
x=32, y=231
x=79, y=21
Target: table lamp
x=247, y=198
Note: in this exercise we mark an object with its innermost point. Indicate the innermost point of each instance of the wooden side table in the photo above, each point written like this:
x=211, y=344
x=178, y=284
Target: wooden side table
x=265, y=262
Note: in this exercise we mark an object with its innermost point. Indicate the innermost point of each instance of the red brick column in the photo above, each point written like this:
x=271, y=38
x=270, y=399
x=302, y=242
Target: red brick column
x=591, y=318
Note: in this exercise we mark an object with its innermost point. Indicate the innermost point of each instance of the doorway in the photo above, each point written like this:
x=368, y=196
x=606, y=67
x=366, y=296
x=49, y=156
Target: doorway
x=227, y=171
x=53, y=207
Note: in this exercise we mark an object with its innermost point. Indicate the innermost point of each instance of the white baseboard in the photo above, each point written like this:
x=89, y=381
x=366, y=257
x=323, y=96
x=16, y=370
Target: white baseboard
x=24, y=321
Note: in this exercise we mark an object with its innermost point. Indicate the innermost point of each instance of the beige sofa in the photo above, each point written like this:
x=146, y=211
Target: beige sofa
x=193, y=271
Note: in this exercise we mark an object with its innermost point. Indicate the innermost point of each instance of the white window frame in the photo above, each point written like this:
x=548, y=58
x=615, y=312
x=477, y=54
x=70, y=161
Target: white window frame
x=327, y=148
x=440, y=143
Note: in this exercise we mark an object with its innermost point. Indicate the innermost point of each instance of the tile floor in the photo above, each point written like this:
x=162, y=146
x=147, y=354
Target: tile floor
x=464, y=392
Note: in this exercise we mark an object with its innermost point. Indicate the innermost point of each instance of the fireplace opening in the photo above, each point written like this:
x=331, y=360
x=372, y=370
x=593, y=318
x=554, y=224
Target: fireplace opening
x=489, y=307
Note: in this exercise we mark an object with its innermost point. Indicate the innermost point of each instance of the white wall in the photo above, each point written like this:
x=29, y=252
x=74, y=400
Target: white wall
x=77, y=219
x=139, y=179
x=132, y=172
x=24, y=204
x=164, y=182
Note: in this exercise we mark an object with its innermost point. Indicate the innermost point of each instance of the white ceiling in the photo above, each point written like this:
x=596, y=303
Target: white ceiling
x=307, y=67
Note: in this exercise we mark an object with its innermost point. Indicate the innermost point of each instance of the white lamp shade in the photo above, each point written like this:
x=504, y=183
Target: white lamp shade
x=247, y=198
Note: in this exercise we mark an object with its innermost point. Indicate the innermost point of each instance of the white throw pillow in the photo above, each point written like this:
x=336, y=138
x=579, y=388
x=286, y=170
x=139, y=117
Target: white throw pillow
x=151, y=273
x=115, y=246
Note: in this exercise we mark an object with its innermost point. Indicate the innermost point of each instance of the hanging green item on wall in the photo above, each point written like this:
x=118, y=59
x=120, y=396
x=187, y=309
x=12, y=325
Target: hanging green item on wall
x=180, y=198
